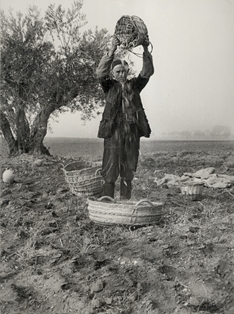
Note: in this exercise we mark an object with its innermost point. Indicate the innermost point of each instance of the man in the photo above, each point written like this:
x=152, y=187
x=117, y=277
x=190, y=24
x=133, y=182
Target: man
x=123, y=120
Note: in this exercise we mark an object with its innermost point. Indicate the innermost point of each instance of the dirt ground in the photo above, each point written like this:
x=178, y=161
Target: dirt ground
x=54, y=259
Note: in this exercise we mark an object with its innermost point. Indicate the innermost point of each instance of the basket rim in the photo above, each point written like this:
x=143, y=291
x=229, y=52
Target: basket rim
x=128, y=203
x=86, y=167
x=126, y=215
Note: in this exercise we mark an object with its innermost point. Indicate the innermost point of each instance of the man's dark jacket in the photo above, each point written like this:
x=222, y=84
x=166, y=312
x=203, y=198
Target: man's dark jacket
x=113, y=96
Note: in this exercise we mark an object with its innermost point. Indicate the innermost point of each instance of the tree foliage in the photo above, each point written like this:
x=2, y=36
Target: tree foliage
x=47, y=67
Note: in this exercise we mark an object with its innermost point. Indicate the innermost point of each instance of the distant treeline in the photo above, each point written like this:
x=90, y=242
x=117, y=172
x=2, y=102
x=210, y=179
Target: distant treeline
x=218, y=132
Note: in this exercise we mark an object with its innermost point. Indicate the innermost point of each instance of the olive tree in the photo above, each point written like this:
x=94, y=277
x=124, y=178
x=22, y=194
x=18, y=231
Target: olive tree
x=47, y=68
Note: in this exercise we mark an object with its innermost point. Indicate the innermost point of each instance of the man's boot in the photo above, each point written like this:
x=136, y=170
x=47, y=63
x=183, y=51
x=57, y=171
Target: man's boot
x=125, y=189
x=108, y=189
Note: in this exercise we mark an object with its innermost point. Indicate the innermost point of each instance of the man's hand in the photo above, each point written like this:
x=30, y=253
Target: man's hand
x=115, y=43
x=146, y=42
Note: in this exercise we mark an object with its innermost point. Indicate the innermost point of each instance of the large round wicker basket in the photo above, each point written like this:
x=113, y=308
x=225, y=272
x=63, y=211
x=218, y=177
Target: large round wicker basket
x=83, y=180
x=131, y=31
x=108, y=211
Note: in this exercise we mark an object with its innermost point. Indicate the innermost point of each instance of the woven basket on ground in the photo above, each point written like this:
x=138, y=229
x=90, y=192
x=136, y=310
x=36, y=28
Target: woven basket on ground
x=131, y=31
x=107, y=211
x=193, y=189
x=83, y=180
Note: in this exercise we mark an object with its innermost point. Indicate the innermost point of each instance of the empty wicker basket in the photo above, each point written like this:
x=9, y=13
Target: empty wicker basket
x=83, y=180
x=107, y=211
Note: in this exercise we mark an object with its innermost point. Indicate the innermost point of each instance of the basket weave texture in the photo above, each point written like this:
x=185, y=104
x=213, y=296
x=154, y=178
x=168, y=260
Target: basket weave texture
x=131, y=31
x=107, y=211
x=83, y=180
x=192, y=189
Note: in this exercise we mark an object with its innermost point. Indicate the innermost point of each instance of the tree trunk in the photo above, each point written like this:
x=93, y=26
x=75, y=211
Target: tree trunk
x=39, y=130
x=22, y=130
x=7, y=133
x=27, y=142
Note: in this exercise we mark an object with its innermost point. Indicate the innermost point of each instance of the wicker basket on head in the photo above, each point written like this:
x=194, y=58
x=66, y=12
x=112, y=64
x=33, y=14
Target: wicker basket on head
x=131, y=31
x=83, y=180
x=107, y=211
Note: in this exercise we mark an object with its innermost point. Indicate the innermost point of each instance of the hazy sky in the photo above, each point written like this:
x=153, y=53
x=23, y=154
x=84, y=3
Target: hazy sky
x=193, y=52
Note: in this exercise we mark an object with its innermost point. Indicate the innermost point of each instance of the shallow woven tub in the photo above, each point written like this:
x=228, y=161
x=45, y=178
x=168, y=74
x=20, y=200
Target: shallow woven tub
x=83, y=180
x=106, y=210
